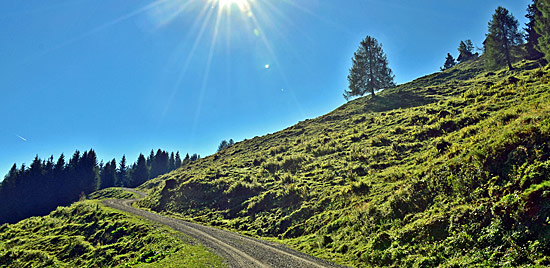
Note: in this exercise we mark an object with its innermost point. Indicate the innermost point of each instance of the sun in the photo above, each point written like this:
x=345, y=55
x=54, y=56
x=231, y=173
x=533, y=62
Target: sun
x=243, y=5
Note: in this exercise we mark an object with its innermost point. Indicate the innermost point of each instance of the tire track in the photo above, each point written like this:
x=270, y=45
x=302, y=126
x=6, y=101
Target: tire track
x=237, y=250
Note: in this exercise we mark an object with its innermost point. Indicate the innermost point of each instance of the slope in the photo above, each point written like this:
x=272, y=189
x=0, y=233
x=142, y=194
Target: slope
x=451, y=168
x=88, y=234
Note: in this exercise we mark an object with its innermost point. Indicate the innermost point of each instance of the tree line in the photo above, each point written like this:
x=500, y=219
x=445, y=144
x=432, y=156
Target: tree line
x=370, y=71
x=45, y=184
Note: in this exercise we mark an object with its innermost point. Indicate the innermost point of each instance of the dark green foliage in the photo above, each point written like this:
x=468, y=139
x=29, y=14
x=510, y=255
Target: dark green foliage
x=140, y=172
x=122, y=176
x=533, y=14
x=449, y=62
x=465, y=50
x=502, y=37
x=43, y=186
x=108, y=175
x=225, y=144
x=370, y=71
x=542, y=26
x=158, y=164
x=178, y=161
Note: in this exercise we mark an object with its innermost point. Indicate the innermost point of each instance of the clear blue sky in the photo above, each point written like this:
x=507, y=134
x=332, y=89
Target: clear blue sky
x=123, y=77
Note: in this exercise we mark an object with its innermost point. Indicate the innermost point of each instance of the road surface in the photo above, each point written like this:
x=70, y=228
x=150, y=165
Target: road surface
x=237, y=250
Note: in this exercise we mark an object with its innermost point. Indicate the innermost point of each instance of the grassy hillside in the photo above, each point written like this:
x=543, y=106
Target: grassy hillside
x=449, y=169
x=113, y=192
x=88, y=234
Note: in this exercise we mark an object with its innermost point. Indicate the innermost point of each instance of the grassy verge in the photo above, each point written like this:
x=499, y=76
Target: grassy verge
x=114, y=193
x=88, y=234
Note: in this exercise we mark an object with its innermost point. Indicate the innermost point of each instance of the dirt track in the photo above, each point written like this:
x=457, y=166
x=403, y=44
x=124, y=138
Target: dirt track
x=237, y=250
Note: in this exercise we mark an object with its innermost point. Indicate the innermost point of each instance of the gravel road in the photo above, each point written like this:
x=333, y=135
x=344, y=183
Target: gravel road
x=237, y=250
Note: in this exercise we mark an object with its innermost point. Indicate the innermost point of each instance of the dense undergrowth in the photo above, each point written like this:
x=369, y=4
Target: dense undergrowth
x=450, y=169
x=88, y=234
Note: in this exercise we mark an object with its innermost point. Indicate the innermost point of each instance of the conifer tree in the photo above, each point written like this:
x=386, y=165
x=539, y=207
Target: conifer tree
x=532, y=37
x=370, y=71
x=223, y=145
x=178, y=160
x=172, y=162
x=186, y=160
x=108, y=175
x=122, y=173
x=465, y=50
x=542, y=26
x=449, y=62
x=140, y=172
x=502, y=37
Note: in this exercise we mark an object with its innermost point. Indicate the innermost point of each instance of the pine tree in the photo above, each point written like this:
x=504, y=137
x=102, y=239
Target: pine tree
x=108, y=175
x=542, y=27
x=223, y=145
x=140, y=172
x=449, y=62
x=532, y=37
x=465, y=50
x=502, y=37
x=178, y=160
x=370, y=71
x=172, y=162
x=122, y=173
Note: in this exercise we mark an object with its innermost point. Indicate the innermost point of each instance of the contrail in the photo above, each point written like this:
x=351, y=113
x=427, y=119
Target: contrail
x=23, y=139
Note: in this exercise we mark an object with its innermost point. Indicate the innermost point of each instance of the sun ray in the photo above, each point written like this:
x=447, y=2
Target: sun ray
x=207, y=70
x=208, y=11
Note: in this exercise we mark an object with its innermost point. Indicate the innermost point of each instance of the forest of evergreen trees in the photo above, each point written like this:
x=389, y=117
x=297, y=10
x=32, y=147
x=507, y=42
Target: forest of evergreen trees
x=44, y=185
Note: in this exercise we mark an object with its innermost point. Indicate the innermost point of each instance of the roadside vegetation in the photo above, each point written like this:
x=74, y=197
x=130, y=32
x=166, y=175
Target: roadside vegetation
x=114, y=193
x=88, y=234
x=449, y=169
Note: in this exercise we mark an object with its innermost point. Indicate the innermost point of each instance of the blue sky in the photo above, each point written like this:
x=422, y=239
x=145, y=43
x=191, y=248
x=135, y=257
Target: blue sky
x=124, y=77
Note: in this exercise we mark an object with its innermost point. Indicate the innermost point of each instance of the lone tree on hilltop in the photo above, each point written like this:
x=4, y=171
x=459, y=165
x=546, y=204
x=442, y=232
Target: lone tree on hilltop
x=542, y=26
x=449, y=62
x=465, y=50
x=370, y=69
x=502, y=37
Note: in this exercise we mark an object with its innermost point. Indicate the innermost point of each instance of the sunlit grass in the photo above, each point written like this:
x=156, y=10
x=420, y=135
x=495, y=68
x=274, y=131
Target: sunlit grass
x=429, y=173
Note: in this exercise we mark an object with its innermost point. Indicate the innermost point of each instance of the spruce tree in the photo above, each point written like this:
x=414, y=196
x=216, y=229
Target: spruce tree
x=465, y=50
x=502, y=37
x=542, y=27
x=108, y=175
x=224, y=144
x=532, y=37
x=178, y=160
x=140, y=172
x=122, y=173
x=172, y=162
x=370, y=71
x=449, y=62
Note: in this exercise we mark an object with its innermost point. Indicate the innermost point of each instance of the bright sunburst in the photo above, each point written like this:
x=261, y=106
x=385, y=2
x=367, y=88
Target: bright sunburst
x=243, y=5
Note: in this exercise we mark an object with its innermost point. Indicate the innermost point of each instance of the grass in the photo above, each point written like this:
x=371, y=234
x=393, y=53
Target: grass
x=112, y=193
x=450, y=169
x=88, y=234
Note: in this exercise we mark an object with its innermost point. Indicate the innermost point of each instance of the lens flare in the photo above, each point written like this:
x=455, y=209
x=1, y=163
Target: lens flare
x=242, y=5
